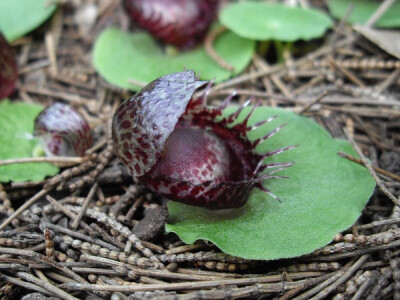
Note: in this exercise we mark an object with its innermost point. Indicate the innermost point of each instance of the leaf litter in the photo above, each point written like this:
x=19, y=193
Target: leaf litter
x=42, y=253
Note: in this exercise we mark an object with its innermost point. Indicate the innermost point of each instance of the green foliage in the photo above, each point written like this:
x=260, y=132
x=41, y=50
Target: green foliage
x=363, y=10
x=16, y=127
x=18, y=17
x=266, y=21
x=323, y=195
x=119, y=56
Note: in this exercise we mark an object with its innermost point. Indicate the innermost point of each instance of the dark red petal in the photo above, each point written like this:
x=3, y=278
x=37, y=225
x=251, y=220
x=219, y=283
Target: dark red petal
x=194, y=155
x=63, y=131
x=182, y=23
x=227, y=194
x=153, y=114
x=8, y=68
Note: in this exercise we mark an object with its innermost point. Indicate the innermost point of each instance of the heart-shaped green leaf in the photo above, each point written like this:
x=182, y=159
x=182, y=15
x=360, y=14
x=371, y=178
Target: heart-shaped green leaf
x=323, y=195
x=266, y=21
x=16, y=127
x=18, y=17
x=363, y=9
x=119, y=56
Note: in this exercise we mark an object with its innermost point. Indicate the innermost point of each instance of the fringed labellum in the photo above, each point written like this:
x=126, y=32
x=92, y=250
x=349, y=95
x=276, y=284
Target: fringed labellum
x=182, y=23
x=8, y=68
x=62, y=131
x=172, y=143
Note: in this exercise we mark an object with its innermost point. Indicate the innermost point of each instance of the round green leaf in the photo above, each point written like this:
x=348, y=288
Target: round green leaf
x=323, y=195
x=363, y=10
x=266, y=21
x=18, y=17
x=119, y=56
x=16, y=127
